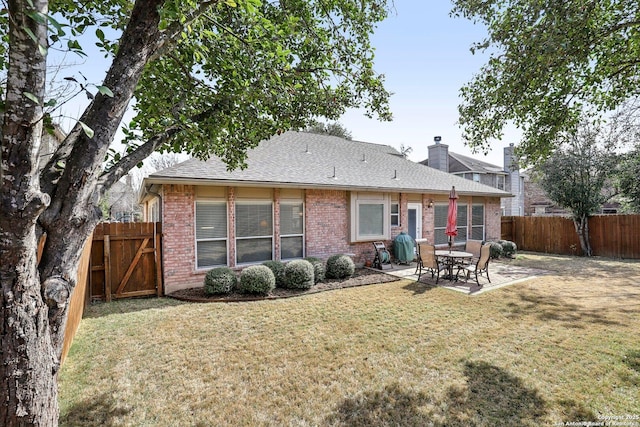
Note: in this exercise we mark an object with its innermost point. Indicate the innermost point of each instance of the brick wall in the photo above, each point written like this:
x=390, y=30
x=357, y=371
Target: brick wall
x=327, y=223
x=326, y=230
x=178, y=252
x=493, y=219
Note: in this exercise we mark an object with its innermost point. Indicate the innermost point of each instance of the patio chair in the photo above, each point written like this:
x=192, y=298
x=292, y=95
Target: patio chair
x=480, y=267
x=473, y=246
x=428, y=261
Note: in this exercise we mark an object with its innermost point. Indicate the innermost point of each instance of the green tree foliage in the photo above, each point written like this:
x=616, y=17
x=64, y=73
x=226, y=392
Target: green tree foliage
x=575, y=177
x=628, y=179
x=332, y=128
x=551, y=62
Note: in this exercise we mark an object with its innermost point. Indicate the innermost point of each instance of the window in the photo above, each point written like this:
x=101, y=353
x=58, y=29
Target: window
x=254, y=231
x=476, y=177
x=395, y=214
x=462, y=223
x=440, y=223
x=500, y=182
x=154, y=210
x=291, y=230
x=211, y=233
x=368, y=216
x=477, y=222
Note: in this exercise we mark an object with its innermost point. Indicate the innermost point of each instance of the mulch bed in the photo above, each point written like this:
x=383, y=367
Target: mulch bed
x=361, y=277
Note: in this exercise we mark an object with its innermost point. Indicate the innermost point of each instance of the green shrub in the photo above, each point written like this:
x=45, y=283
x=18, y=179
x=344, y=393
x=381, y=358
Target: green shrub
x=509, y=249
x=277, y=268
x=220, y=280
x=299, y=274
x=496, y=250
x=340, y=267
x=257, y=279
x=319, y=269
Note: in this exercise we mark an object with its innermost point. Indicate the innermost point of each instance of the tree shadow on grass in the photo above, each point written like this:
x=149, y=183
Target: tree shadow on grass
x=419, y=288
x=491, y=397
x=101, y=410
x=549, y=308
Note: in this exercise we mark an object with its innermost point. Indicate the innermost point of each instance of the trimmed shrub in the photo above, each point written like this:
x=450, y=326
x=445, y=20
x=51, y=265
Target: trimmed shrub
x=299, y=274
x=496, y=250
x=508, y=248
x=220, y=280
x=340, y=267
x=277, y=268
x=319, y=269
x=256, y=279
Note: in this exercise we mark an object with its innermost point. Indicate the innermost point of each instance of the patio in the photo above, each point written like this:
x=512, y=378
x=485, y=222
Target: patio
x=501, y=272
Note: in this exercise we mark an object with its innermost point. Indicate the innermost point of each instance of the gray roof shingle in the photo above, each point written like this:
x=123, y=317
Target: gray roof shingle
x=307, y=160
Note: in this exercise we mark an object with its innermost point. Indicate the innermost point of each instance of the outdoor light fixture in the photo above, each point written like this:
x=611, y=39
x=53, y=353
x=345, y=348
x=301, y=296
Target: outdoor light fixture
x=430, y=203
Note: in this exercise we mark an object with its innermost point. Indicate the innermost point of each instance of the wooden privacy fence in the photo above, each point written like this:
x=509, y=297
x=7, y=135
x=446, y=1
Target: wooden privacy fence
x=125, y=260
x=79, y=295
x=615, y=236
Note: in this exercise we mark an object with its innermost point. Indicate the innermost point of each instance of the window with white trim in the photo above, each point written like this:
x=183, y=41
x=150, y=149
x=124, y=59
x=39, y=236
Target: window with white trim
x=211, y=233
x=254, y=231
x=462, y=223
x=395, y=214
x=477, y=222
x=441, y=211
x=154, y=210
x=369, y=213
x=291, y=230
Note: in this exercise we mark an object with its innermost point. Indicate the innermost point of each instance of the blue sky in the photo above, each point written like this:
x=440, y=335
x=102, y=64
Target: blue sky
x=424, y=54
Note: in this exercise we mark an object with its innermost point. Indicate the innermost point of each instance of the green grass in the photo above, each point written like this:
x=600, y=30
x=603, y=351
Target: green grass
x=564, y=347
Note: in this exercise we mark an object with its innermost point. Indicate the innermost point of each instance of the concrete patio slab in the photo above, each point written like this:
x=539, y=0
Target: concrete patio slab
x=501, y=273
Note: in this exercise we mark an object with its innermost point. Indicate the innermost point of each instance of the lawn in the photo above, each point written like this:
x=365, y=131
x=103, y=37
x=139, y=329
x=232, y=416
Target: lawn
x=564, y=347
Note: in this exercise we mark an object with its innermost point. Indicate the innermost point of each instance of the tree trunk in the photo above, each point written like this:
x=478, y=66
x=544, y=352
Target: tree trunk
x=35, y=297
x=582, y=228
x=29, y=367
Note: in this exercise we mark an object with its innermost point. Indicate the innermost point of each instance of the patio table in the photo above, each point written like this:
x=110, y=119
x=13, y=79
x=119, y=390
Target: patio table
x=451, y=258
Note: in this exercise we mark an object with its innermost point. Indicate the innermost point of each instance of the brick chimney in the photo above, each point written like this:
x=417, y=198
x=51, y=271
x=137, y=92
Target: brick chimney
x=439, y=155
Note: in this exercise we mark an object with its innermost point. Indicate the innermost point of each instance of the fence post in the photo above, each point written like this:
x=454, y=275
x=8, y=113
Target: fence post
x=158, y=258
x=107, y=268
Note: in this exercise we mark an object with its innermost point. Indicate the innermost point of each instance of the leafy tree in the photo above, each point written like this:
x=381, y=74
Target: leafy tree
x=551, y=62
x=333, y=128
x=405, y=151
x=210, y=77
x=575, y=177
x=627, y=179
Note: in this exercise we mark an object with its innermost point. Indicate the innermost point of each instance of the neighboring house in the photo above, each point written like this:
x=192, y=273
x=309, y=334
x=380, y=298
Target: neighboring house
x=301, y=195
x=538, y=204
x=121, y=202
x=506, y=177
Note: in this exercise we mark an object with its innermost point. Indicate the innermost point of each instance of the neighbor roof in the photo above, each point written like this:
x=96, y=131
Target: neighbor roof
x=307, y=160
x=469, y=164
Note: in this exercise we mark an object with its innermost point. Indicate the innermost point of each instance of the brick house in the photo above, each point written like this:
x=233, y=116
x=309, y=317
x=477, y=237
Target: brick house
x=301, y=195
x=506, y=177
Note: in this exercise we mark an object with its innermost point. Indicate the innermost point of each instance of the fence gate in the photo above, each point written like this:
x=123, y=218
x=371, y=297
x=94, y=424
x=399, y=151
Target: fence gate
x=125, y=260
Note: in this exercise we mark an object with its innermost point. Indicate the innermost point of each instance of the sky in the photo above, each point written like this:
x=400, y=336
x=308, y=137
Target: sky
x=425, y=56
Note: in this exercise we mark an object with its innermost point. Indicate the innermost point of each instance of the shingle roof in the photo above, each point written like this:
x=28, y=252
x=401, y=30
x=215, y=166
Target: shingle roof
x=475, y=165
x=307, y=160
